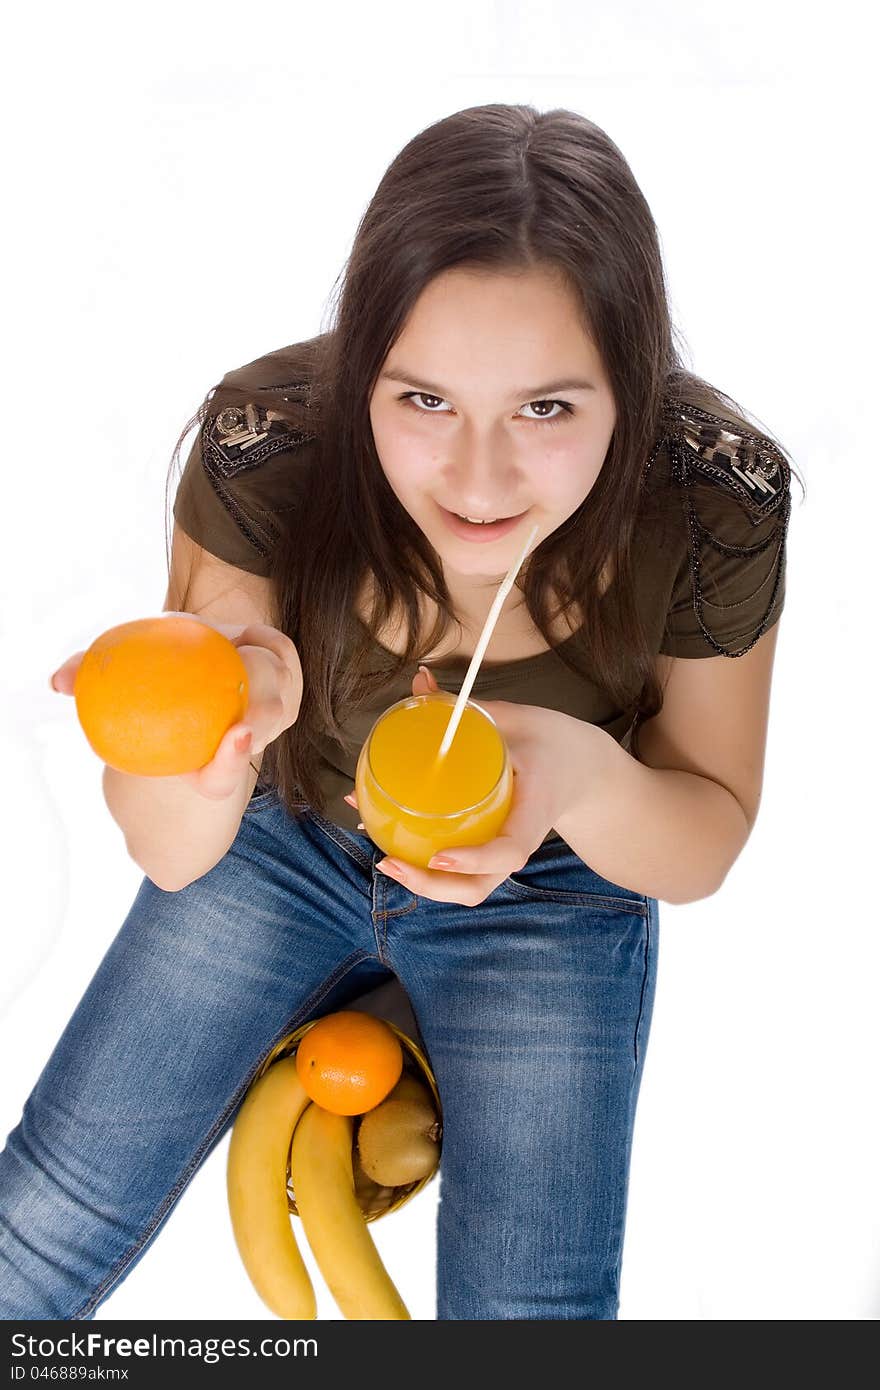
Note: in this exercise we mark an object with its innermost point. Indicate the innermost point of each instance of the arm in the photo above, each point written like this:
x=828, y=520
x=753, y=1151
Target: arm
x=177, y=828
x=668, y=822
x=173, y=831
x=672, y=822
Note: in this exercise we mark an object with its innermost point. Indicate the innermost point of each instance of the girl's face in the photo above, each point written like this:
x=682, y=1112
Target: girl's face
x=493, y=403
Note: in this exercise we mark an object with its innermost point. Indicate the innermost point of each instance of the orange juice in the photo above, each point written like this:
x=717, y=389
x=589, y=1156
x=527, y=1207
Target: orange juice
x=412, y=804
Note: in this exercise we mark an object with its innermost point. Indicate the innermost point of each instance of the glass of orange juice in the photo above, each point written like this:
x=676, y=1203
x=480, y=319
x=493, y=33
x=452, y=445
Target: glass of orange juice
x=414, y=805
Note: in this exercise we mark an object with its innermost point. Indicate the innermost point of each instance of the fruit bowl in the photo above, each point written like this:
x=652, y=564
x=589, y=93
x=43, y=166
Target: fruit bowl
x=375, y=1201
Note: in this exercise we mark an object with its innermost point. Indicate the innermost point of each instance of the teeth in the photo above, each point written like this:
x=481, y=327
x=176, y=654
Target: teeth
x=477, y=521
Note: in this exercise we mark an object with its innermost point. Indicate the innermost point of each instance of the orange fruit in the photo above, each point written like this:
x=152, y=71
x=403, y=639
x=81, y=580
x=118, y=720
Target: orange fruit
x=349, y=1061
x=155, y=696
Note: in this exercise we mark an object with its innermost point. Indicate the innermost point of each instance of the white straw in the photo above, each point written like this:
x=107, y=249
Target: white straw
x=488, y=628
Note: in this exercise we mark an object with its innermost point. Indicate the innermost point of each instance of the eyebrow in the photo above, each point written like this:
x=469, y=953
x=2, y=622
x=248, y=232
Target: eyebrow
x=527, y=393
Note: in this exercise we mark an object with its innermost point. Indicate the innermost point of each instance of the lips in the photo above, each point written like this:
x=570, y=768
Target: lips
x=488, y=531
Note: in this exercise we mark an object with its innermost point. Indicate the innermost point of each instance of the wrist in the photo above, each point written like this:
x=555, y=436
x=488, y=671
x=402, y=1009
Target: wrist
x=587, y=759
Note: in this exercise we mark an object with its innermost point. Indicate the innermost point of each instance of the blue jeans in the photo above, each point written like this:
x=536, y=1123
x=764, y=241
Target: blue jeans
x=534, y=1009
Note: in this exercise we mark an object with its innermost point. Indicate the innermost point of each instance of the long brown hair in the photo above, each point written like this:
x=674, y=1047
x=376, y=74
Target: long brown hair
x=503, y=188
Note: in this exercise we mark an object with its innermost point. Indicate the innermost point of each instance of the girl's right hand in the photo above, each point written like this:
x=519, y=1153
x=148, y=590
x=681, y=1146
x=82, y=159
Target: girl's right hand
x=275, y=685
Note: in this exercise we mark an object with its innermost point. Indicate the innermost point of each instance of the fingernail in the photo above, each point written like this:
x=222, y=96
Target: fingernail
x=442, y=861
x=52, y=685
x=388, y=866
x=360, y=825
x=350, y=800
x=426, y=671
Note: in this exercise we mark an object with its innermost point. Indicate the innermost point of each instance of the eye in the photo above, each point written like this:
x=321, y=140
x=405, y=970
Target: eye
x=409, y=398
x=565, y=410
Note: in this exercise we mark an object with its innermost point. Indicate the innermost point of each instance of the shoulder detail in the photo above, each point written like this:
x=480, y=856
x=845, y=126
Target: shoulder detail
x=239, y=438
x=736, y=489
x=745, y=465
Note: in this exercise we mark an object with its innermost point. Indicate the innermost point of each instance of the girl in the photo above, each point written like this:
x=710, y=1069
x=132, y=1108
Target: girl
x=501, y=357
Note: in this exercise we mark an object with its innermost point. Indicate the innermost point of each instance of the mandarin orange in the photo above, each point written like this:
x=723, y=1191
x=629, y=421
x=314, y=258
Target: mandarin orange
x=349, y=1061
x=155, y=696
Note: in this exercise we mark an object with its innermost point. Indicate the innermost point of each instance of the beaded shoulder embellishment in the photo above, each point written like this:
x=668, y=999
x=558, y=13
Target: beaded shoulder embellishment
x=240, y=438
x=748, y=467
x=745, y=464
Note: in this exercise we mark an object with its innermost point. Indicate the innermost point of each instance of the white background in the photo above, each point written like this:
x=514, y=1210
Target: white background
x=182, y=186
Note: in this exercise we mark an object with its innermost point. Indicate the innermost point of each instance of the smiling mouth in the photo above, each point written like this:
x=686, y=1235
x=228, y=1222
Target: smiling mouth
x=484, y=520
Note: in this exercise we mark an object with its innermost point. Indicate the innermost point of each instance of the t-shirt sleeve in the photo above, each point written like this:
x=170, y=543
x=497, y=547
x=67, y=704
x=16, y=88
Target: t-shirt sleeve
x=243, y=473
x=736, y=502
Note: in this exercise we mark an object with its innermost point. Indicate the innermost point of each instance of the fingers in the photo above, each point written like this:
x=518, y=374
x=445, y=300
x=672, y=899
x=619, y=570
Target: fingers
x=424, y=682
x=352, y=801
x=466, y=890
x=62, y=680
x=470, y=874
x=219, y=778
x=261, y=635
x=523, y=831
x=236, y=748
x=272, y=663
x=500, y=857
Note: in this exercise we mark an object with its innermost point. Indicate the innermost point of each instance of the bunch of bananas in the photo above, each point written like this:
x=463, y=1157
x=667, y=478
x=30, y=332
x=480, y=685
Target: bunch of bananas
x=342, y=1168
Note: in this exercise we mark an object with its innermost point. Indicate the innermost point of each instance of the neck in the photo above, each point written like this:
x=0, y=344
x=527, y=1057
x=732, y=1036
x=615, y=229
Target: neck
x=473, y=595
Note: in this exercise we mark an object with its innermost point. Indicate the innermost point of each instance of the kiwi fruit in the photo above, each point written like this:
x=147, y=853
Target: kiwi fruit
x=372, y=1197
x=410, y=1086
x=398, y=1141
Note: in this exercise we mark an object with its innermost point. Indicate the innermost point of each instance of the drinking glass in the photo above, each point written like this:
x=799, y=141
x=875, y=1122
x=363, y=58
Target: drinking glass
x=413, y=806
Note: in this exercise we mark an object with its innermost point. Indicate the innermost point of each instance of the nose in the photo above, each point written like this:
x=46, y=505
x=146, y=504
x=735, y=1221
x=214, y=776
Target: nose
x=484, y=479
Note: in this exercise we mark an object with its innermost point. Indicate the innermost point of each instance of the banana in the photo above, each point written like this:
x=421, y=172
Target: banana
x=256, y=1185
x=323, y=1186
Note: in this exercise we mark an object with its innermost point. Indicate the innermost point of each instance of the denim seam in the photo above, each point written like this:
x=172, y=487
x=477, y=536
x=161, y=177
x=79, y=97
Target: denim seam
x=396, y=911
x=529, y=893
x=171, y=1197
x=376, y=915
x=385, y=910
x=381, y=913
x=339, y=838
x=644, y=987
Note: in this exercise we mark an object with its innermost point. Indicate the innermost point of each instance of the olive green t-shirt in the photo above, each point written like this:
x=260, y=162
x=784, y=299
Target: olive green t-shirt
x=709, y=575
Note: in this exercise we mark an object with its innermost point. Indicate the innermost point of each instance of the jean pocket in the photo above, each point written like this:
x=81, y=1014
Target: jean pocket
x=554, y=873
x=573, y=897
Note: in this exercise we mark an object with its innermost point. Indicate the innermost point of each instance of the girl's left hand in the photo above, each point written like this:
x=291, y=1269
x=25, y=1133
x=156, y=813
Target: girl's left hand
x=535, y=738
